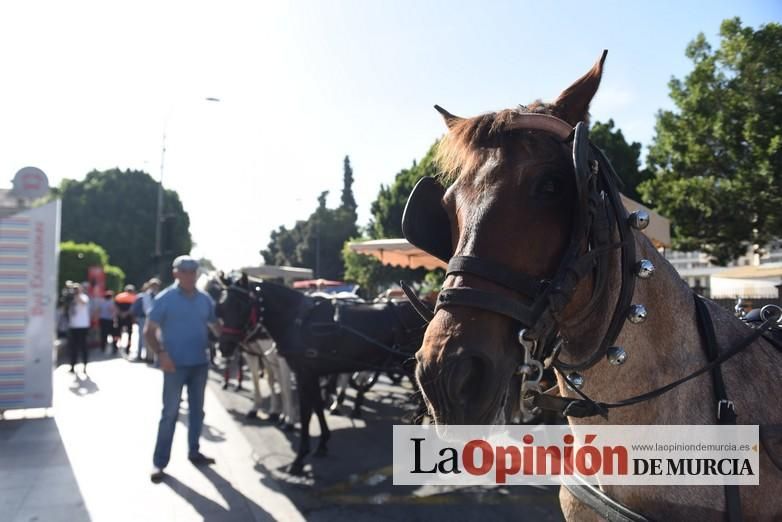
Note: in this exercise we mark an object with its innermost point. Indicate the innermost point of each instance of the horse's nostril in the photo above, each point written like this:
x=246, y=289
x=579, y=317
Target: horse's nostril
x=467, y=378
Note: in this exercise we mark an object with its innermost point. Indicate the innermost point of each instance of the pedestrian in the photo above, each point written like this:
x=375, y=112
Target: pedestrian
x=78, y=308
x=124, y=301
x=107, y=316
x=183, y=315
x=140, y=310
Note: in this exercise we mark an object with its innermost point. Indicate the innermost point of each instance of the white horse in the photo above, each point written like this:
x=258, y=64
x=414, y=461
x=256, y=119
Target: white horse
x=261, y=355
x=282, y=399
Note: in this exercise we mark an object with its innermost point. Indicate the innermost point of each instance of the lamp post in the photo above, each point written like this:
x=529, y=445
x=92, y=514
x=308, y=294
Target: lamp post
x=160, y=193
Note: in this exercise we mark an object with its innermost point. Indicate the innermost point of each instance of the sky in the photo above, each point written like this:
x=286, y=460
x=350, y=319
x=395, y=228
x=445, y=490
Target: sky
x=96, y=85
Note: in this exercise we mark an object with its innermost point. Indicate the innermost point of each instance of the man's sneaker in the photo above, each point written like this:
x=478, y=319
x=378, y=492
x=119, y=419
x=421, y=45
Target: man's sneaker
x=157, y=475
x=199, y=459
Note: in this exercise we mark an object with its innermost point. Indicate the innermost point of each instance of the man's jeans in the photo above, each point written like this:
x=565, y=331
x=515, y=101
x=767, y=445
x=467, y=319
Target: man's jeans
x=194, y=377
x=141, y=321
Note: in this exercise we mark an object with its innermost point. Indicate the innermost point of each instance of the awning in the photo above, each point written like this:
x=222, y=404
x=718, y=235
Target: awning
x=397, y=252
x=319, y=283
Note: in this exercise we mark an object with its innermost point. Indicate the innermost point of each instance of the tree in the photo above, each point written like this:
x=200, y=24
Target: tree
x=717, y=159
x=371, y=275
x=348, y=201
x=624, y=157
x=77, y=258
x=115, y=278
x=386, y=221
x=117, y=210
x=317, y=242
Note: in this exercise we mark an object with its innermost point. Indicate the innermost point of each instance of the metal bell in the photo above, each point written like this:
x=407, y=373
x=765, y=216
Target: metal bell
x=616, y=355
x=576, y=379
x=644, y=269
x=639, y=219
x=637, y=314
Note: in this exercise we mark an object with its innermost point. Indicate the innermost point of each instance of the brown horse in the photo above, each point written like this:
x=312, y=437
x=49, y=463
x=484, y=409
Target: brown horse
x=514, y=202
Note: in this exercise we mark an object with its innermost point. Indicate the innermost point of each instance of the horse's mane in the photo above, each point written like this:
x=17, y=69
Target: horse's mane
x=465, y=147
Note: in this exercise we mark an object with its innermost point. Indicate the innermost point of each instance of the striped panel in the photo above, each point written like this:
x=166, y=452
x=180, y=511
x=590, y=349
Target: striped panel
x=15, y=237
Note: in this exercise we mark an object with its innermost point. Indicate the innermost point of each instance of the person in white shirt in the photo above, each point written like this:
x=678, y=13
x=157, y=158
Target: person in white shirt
x=78, y=310
x=140, y=309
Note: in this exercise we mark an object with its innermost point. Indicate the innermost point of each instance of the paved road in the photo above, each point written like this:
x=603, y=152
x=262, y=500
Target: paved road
x=91, y=461
x=354, y=481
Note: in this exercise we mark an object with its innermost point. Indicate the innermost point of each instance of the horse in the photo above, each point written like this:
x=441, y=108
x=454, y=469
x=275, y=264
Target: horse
x=546, y=268
x=318, y=338
x=261, y=356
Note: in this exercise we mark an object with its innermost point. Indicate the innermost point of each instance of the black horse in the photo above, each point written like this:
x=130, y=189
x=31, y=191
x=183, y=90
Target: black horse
x=318, y=338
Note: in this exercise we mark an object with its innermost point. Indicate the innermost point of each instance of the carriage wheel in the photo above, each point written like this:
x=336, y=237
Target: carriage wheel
x=361, y=383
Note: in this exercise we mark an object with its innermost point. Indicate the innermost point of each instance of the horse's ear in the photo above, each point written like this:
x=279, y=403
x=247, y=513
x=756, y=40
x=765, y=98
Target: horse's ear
x=573, y=104
x=450, y=119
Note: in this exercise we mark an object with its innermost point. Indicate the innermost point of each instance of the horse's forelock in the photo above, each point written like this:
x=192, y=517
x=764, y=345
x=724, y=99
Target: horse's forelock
x=465, y=147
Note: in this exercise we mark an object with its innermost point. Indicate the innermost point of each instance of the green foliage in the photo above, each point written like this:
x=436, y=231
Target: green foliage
x=115, y=278
x=316, y=242
x=717, y=159
x=624, y=157
x=386, y=221
x=118, y=209
x=76, y=258
x=348, y=201
x=371, y=275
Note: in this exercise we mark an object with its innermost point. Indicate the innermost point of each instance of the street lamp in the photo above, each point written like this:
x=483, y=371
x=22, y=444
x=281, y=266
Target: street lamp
x=159, y=219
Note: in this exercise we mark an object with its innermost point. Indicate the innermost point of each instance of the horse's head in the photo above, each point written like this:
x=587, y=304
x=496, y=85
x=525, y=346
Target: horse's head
x=240, y=310
x=516, y=207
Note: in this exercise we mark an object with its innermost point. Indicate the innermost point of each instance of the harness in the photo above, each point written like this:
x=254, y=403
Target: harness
x=599, y=217
x=253, y=328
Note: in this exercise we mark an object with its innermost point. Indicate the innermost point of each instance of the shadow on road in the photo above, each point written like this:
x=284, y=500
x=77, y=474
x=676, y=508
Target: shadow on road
x=239, y=506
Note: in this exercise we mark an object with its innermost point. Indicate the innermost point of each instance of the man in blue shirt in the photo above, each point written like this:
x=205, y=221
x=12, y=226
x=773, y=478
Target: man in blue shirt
x=182, y=314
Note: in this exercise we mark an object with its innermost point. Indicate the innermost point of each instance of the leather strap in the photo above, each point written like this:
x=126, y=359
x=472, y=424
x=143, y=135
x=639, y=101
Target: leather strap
x=604, y=505
x=419, y=306
x=497, y=273
x=726, y=411
x=486, y=300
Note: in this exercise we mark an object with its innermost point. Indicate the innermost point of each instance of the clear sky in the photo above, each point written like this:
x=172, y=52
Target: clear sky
x=95, y=85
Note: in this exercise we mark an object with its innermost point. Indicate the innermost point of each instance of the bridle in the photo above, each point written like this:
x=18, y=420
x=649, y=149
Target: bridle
x=599, y=217
x=253, y=326
x=539, y=312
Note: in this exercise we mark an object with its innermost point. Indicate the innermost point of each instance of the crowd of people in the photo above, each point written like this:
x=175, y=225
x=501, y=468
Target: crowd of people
x=105, y=321
x=173, y=330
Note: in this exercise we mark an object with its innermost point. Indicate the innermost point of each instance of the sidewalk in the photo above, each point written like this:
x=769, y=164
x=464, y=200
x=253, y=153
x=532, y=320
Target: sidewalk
x=92, y=460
